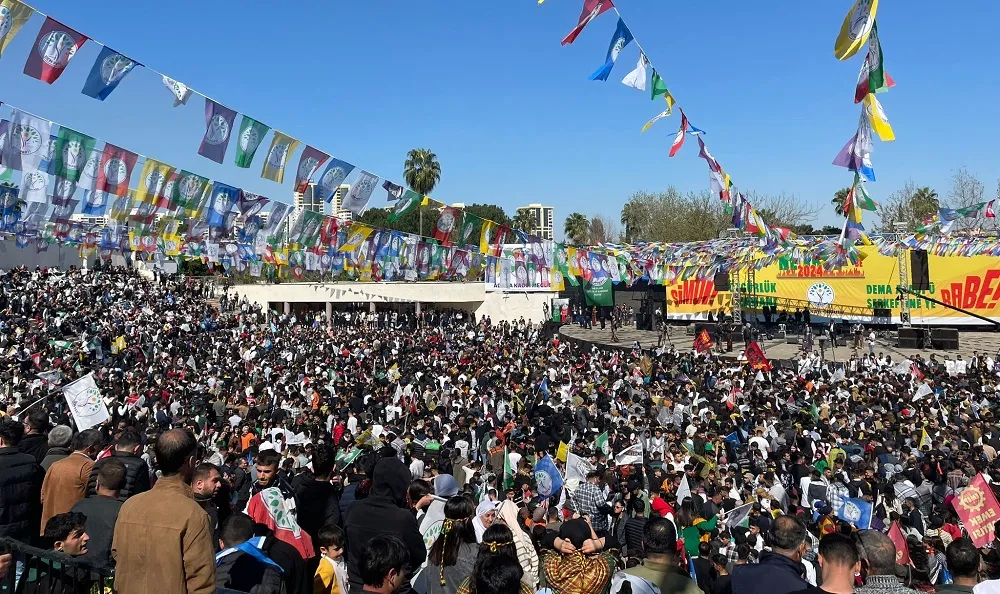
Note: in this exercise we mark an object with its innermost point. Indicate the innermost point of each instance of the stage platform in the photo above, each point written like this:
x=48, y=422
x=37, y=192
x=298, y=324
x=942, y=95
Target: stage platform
x=778, y=349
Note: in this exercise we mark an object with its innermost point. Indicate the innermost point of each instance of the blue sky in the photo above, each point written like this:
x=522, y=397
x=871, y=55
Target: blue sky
x=510, y=112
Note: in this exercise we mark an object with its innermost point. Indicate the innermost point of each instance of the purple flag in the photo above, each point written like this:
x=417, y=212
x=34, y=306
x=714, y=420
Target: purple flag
x=848, y=157
x=218, y=129
x=250, y=204
x=309, y=162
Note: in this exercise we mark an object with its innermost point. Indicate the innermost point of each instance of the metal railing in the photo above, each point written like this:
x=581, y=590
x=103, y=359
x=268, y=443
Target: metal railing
x=39, y=570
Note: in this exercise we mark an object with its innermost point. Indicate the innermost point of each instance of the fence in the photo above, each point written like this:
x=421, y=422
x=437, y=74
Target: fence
x=38, y=570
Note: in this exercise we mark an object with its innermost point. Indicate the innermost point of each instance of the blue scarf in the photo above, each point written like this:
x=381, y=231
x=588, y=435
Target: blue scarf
x=249, y=547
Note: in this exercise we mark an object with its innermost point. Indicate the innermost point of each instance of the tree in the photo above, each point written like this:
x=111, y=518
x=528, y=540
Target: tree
x=782, y=210
x=631, y=220
x=840, y=201
x=907, y=206
x=603, y=230
x=490, y=212
x=577, y=229
x=421, y=171
x=525, y=221
x=966, y=193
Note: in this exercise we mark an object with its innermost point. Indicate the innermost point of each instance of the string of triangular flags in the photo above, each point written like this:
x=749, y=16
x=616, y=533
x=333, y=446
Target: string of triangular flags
x=645, y=75
x=57, y=43
x=859, y=28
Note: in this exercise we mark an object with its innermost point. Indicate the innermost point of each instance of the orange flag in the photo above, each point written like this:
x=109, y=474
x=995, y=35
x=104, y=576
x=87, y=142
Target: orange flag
x=703, y=342
x=977, y=507
x=756, y=358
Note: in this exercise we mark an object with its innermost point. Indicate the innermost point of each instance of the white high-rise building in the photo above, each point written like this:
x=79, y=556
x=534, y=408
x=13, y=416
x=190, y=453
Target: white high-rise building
x=310, y=200
x=544, y=217
x=338, y=198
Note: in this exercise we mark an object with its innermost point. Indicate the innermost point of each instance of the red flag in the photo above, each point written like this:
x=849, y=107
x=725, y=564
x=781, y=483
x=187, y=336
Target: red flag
x=446, y=224
x=756, y=358
x=897, y=538
x=310, y=160
x=989, y=209
x=703, y=342
x=978, y=509
x=328, y=232
x=53, y=49
x=114, y=170
x=731, y=401
x=36, y=358
x=591, y=10
x=916, y=372
x=679, y=139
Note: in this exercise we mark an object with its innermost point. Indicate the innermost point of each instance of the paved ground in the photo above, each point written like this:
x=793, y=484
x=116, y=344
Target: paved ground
x=988, y=342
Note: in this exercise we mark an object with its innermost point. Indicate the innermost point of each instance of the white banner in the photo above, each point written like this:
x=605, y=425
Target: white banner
x=85, y=403
x=630, y=455
x=577, y=468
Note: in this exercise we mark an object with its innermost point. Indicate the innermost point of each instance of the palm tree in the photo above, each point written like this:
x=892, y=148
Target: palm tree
x=839, y=201
x=577, y=229
x=421, y=171
x=524, y=221
x=630, y=221
x=924, y=203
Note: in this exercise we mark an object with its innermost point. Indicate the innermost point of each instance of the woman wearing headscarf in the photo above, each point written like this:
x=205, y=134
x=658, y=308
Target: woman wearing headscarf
x=526, y=554
x=485, y=516
x=497, y=540
x=452, y=556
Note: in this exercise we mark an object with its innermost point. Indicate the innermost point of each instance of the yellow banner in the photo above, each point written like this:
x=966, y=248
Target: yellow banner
x=970, y=283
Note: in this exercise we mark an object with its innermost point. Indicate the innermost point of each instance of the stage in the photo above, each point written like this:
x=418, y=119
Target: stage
x=777, y=349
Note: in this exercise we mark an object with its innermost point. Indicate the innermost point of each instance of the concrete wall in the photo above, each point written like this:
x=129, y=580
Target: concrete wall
x=471, y=297
x=56, y=256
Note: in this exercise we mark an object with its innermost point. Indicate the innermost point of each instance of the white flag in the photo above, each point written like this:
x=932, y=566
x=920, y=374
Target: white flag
x=577, y=468
x=357, y=198
x=630, y=455
x=738, y=515
x=85, y=403
x=683, y=490
x=27, y=141
x=922, y=391
x=637, y=78
x=665, y=113
x=180, y=90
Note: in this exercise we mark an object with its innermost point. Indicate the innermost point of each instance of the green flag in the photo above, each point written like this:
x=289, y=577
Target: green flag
x=508, y=474
x=190, y=189
x=410, y=201
x=251, y=133
x=465, y=232
x=71, y=152
x=659, y=87
x=345, y=458
x=601, y=442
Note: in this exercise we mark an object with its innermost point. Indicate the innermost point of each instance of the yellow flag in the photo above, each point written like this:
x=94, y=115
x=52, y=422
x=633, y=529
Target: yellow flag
x=171, y=245
x=556, y=279
x=925, y=439
x=879, y=121
x=282, y=147
x=17, y=15
x=572, y=263
x=122, y=206
x=856, y=29
x=357, y=234
x=486, y=237
x=562, y=451
x=154, y=176
x=281, y=257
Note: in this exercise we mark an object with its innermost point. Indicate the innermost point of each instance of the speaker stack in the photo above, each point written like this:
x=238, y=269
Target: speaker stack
x=722, y=282
x=911, y=338
x=919, y=273
x=945, y=339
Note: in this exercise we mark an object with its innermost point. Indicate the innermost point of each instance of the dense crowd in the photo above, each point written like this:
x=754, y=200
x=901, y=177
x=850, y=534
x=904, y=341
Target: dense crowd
x=257, y=451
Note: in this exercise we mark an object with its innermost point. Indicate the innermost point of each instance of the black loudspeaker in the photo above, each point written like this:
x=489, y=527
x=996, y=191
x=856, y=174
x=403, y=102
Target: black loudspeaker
x=944, y=339
x=919, y=274
x=644, y=321
x=911, y=338
x=882, y=312
x=722, y=282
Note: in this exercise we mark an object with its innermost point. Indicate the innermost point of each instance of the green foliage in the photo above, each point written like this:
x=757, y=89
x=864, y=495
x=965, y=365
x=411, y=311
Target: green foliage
x=577, y=229
x=421, y=171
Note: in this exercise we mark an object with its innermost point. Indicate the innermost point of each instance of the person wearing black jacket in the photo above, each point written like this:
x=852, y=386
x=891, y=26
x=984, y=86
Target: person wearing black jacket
x=136, y=470
x=36, y=439
x=243, y=567
x=20, y=484
x=383, y=512
x=780, y=571
x=318, y=499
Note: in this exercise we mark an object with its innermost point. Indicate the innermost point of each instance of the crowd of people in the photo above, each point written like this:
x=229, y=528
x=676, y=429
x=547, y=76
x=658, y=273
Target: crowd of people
x=257, y=451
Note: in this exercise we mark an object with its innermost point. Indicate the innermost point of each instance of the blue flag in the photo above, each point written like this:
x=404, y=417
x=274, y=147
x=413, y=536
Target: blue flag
x=335, y=174
x=857, y=512
x=220, y=203
x=544, y=387
x=621, y=38
x=548, y=478
x=109, y=69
